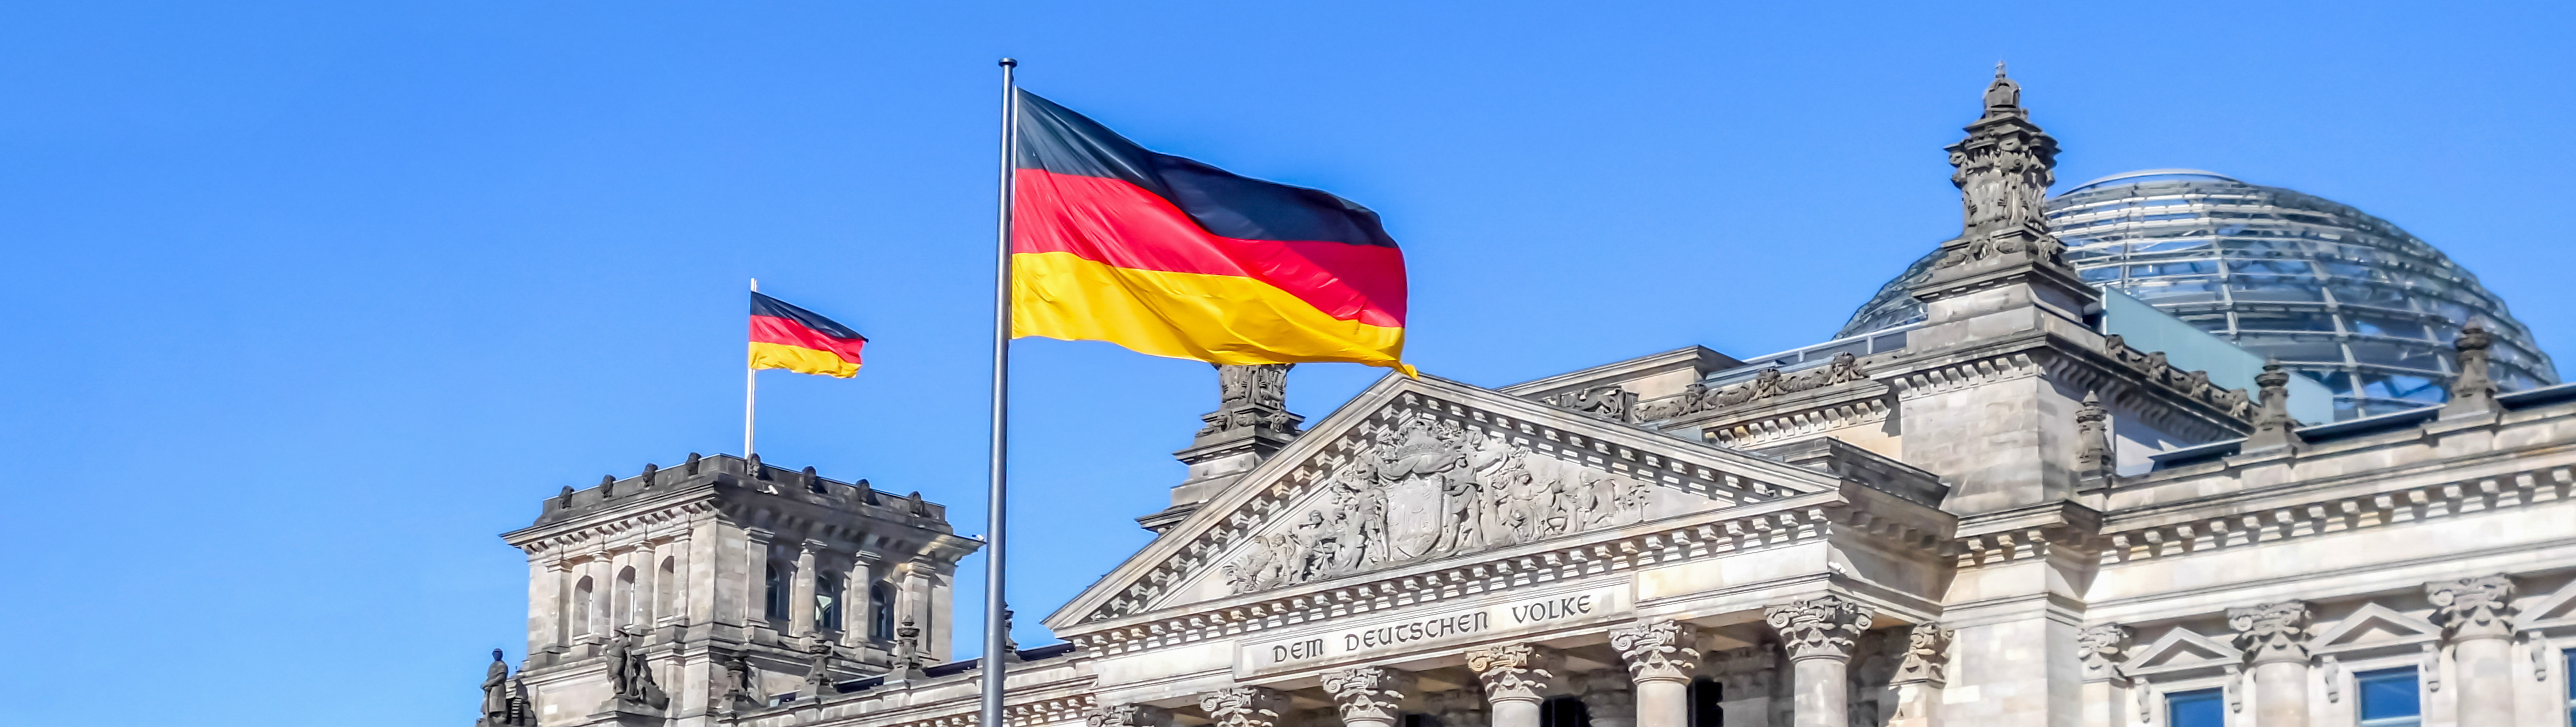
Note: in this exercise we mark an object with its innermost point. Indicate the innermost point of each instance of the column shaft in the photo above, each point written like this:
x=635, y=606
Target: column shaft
x=1662, y=703
x=800, y=599
x=1824, y=700
x=2484, y=668
x=2281, y=694
x=1515, y=712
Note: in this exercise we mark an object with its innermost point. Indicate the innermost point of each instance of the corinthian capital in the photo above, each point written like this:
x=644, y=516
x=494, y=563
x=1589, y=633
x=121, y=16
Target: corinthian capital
x=1519, y=672
x=1368, y=692
x=1819, y=628
x=2473, y=608
x=1657, y=651
x=1244, y=706
x=2103, y=648
x=1128, y=715
x=2271, y=631
x=1927, y=655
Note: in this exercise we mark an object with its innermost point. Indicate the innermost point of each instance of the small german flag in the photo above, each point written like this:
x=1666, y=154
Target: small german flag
x=1171, y=257
x=787, y=337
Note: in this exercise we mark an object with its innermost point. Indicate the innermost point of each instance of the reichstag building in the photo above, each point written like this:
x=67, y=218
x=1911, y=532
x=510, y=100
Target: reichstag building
x=2003, y=497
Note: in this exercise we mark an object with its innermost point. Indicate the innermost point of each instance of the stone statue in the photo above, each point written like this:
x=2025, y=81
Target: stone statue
x=496, y=691
x=741, y=685
x=818, y=669
x=631, y=675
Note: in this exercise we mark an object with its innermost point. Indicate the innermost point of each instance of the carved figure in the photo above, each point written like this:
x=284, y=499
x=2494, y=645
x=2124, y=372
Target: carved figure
x=2271, y=631
x=1927, y=654
x=1427, y=489
x=741, y=685
x=496, y=691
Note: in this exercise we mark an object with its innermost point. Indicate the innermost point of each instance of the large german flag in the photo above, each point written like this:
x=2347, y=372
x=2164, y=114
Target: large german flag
x=787, y=337
x=1171, y=257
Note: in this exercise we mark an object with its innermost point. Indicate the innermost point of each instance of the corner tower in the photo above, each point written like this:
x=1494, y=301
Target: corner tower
x=695, y=592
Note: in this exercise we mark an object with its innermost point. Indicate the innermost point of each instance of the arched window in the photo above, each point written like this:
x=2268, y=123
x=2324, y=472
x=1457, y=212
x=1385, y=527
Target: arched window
x=881, y=612
x=776, y=604
x=667, y=589
x=621, y=602
x=581, y=595
x=827, y=602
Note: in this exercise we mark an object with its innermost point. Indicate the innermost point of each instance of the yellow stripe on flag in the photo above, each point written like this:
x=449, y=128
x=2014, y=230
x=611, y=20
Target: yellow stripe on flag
x=1220, y=319
x=800, y=360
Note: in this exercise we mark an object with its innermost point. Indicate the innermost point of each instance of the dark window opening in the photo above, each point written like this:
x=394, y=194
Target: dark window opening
x=2196, y=708
x=1706, y=700
x=881, y=612
x=1563, y=712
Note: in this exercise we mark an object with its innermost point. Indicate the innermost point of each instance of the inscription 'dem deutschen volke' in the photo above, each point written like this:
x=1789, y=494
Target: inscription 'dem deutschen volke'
x=1524, y=614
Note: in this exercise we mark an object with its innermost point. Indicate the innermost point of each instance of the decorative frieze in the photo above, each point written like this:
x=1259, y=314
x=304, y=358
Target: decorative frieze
x=1659, y=650
x=2473, y=608
x=1244, y=706
x=1516, y=672
x=1770, y=383
x=2272, y=631
x=1825, y=627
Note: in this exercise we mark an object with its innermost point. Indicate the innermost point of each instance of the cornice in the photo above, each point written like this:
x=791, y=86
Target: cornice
x=1849, y=511
x=2175, y=530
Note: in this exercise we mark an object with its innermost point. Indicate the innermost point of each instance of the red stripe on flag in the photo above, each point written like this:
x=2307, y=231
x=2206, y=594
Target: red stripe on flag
x=765, y=329
x=1120, y=224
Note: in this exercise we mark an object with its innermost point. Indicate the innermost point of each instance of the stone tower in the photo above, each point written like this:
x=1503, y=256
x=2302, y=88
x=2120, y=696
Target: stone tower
x=681, y=595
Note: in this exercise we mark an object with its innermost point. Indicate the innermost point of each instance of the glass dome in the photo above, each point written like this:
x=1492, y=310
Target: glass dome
x=2338, y=295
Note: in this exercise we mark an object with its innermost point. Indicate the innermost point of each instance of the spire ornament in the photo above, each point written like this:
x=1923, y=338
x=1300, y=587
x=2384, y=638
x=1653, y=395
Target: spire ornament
x=2473, y=392
x=2003, y=169
x=2273, y=427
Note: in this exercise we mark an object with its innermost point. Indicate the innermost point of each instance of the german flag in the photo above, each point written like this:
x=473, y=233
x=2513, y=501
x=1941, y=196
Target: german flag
x=787, y=337
x=1171, y=257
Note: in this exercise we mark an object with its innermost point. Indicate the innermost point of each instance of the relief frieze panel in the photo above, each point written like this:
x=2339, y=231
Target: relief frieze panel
x=1429, y=488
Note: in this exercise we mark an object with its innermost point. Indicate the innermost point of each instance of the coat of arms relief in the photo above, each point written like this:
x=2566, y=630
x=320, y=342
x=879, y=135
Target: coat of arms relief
x=1427, y=488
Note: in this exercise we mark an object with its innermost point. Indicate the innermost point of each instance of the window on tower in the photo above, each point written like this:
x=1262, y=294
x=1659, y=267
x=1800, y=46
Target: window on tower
x=2389, y=698
x=775, y=606
x=2196, y=708
x=881, y=612
x=827, y=602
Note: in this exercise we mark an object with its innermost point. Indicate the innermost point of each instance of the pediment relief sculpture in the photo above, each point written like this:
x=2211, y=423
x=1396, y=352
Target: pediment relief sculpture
x=1427, y=488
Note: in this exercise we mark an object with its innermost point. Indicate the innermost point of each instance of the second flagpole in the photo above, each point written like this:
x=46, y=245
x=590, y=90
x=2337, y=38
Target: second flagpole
x=995, y=626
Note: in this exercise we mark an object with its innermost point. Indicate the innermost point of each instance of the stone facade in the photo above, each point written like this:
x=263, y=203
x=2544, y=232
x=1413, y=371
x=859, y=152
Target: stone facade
x=2010, y=520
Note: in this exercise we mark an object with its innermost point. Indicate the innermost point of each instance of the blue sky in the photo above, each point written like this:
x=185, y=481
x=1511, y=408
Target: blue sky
x=308, y=301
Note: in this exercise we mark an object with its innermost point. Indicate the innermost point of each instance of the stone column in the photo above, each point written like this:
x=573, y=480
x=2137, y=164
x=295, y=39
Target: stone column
x=1744, y=678
x=2274, y=637
x=800, y=590
x=855, y=616
x=2476, y=617
x=603, y=594
x=2103, y=649
x=755, y=556
x=1819, y=634
x=1661, y=656
x=1244, y=706
x=1368, y=696
x=549, y=609
x=1921, y=676
x=648, y=570
x=1516, y=679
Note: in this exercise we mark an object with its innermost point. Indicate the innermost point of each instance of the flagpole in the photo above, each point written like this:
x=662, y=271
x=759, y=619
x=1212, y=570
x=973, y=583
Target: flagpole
x=995, y=635
x=750, y=387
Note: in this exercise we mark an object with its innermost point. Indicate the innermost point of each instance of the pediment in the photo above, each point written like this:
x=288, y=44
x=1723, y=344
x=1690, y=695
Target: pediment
x=2375, y=624
x=2181, y=648
x=1423, y=470
x=2557, y=606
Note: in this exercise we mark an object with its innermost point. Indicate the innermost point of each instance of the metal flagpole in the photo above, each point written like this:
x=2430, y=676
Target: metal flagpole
x=994, y=635
x=750, y=386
